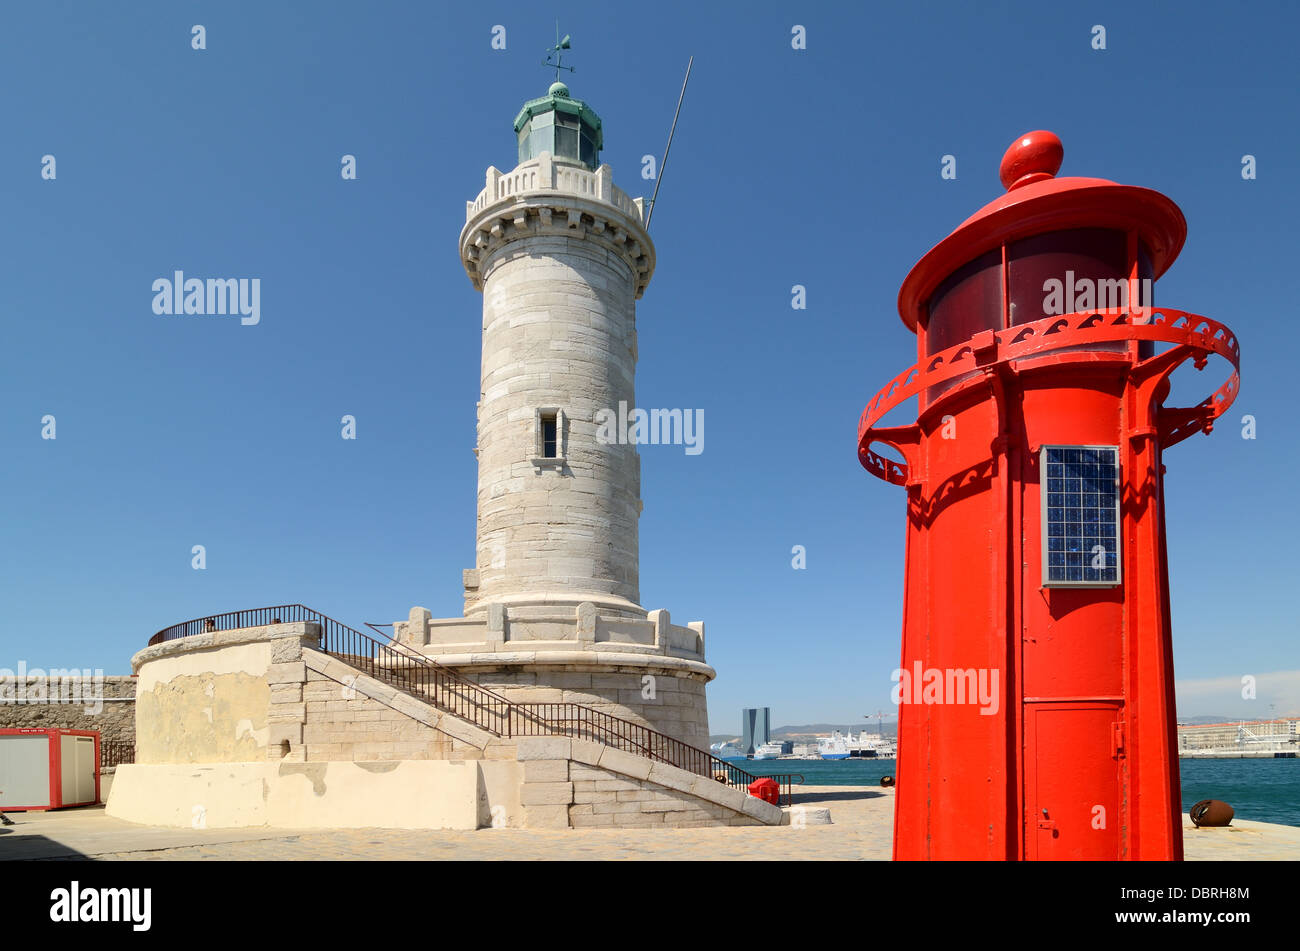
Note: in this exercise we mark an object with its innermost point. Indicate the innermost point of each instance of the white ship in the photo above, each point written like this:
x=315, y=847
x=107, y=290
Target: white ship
x=770, y=750
x=727, y=751
x=872, y=746
x=835, y=746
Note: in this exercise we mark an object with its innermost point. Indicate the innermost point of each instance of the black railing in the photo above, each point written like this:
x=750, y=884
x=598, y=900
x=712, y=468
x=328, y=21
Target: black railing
x=415, y=674
x=113, y=753
x=233, y=620
x=444, y=688
x=583, y=723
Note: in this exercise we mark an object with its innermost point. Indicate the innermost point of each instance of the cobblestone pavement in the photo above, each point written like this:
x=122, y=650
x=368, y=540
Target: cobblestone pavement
x=861, y=829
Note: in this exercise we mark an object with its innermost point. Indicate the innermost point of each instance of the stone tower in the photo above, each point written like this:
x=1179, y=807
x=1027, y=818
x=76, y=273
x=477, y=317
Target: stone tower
x=552, y=606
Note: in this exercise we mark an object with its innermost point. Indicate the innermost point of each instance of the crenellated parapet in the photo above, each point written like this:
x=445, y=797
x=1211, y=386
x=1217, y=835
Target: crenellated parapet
x=546, y=197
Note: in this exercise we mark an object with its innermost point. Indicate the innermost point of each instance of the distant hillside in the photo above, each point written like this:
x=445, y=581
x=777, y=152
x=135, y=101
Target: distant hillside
x=812, y=729
x=805, y=732
x=1194, y=721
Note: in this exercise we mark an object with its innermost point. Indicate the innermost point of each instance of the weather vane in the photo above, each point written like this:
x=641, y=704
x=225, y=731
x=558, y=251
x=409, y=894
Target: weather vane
x=558, y=52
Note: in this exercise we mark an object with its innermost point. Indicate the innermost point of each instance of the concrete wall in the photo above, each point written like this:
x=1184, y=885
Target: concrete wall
x=393, y=795
x=205, y=706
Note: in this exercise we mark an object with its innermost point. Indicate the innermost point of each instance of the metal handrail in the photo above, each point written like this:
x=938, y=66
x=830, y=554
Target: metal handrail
x=115, y=753
x=443, y=687
x=415, y=674
x=233, y=620
x=582, y=722
x=409, y=671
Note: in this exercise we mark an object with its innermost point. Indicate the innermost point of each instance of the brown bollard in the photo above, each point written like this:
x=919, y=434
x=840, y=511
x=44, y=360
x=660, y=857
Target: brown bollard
x=1210, y=812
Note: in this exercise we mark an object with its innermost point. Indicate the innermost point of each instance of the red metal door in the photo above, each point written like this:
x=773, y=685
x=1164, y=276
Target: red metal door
x=1072, y=780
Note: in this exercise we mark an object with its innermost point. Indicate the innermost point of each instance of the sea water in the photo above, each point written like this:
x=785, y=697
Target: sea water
x=1263, y=790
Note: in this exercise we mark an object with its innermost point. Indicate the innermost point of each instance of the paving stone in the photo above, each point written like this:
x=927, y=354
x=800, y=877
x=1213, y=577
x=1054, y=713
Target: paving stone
x=862, y=829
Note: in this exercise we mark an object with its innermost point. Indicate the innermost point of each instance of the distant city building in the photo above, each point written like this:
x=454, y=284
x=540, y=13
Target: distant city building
x=1280, y=734
x=755, y=728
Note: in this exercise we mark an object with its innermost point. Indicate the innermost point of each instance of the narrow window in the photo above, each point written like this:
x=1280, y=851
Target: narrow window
x=550, y=443
x=1081, y=538
x=548, y=429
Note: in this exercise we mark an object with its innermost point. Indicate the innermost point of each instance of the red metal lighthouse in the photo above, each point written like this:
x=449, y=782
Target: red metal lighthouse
x=1036, y=716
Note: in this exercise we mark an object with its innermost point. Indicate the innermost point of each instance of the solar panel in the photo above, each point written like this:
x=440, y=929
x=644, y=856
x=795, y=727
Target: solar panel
x=1080, y=515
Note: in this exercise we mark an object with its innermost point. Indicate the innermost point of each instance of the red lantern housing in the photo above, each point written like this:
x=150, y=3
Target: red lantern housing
x=1036, y=715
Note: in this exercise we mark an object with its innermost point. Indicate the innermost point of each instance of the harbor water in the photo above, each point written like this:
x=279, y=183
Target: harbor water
x=1262, y=790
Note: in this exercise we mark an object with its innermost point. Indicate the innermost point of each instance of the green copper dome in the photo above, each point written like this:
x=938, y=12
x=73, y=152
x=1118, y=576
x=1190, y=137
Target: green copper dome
x=568, y=128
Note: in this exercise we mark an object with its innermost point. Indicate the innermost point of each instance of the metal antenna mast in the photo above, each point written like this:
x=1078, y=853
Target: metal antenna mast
x=664, y=164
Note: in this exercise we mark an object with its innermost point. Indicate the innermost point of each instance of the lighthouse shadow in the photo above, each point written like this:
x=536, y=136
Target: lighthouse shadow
x=25, y=847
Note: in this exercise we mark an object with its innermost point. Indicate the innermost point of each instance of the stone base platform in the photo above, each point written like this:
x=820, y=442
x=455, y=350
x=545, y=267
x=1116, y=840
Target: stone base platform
x=640, y=668
x=258, y=727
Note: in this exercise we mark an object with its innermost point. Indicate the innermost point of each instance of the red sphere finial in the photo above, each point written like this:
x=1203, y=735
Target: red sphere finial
x=1033, y=157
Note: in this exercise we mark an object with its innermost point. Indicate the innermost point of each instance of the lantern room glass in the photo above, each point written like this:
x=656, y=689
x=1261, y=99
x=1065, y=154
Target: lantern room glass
x=563, y=134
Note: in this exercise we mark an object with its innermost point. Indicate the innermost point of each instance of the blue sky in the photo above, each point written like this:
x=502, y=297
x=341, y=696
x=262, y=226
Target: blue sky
x=817, y=167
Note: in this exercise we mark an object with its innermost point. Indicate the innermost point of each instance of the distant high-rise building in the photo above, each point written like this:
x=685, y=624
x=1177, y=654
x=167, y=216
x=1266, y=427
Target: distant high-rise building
x=755, y=728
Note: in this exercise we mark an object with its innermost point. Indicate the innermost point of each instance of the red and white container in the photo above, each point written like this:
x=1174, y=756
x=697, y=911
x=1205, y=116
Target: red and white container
x=48, y=769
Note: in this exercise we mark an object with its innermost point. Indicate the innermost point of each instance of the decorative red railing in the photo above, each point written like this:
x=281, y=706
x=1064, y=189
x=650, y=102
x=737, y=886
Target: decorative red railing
x=1193, y=337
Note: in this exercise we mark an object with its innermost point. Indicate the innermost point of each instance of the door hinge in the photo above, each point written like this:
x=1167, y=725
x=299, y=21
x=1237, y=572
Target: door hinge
x=1117, y=748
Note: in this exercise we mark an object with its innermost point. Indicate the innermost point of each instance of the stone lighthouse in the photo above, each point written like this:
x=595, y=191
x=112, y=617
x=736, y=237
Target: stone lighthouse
x=552, y=605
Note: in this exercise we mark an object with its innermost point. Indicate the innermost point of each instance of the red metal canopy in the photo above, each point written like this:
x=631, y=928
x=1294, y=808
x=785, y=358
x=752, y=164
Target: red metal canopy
x=1035, y=203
